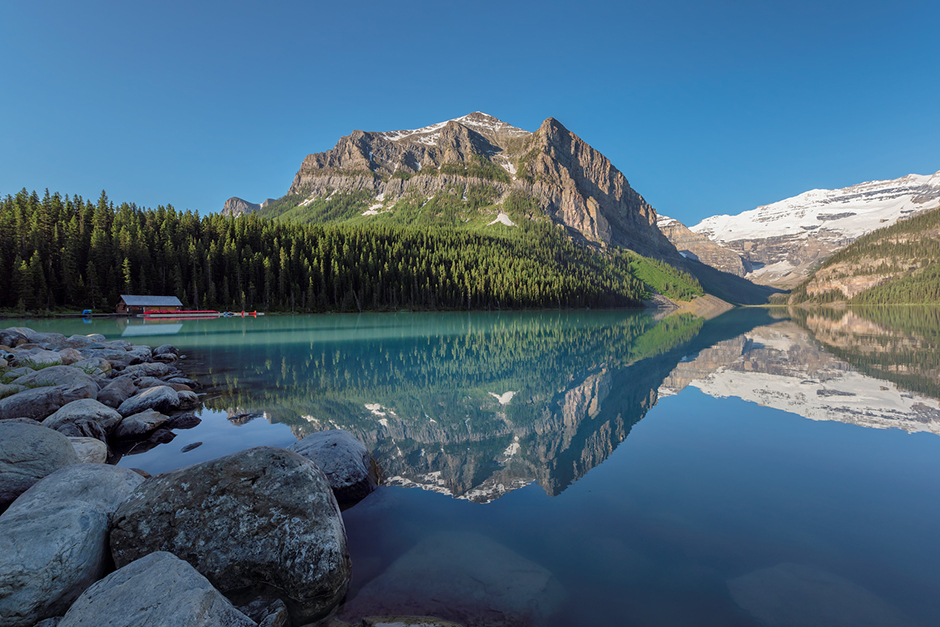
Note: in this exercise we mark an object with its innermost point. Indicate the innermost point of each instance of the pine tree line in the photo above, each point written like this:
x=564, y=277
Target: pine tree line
x=70, y=252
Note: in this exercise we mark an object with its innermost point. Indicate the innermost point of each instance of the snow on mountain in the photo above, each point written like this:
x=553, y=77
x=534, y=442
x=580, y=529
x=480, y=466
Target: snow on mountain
x=477, y=120
x=849, y=212
x=783, y=240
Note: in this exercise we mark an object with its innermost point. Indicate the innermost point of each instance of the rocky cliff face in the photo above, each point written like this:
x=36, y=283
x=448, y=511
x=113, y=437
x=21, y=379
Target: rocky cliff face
x=236, y=206
x=783, y=240
x=696, y=246
x=570, y=181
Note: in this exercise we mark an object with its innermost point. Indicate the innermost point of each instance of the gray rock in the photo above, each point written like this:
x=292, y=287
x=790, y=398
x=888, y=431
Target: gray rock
x=90, y=450
x=457, y=575
x=27, y=454
x=60, y=375
x=9, y=389
x=188, y=400
x=15, y=373
x=151, y=369
x=84, y=418
x=184, y=381
x=49, y=622
x=54, y=540
x=69, y=356
x=12, y=338
x=3, y=362
x=264, y=517
x=38, y=403
x=45, y=339
x=85, y=341
x=789, y=595
x=36, y=357
x=117, y=391
x=167, y=358
x=344, y=460
x=158, y=589
x=166, y=349
x=162, y=398
x=267, y=613
x=140, y=424
x=94, y=366
x=149, y=382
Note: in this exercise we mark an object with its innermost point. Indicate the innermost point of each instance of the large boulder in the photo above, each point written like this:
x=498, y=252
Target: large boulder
x=140, y=424
x=94, y=366
x=150, y=369
x=263, y=518
x=47, y=340
x=90, y=450
x=117, y=391
x=158, y=589
x=36, y=358
x=38, y=403
x=29, y=452
x=54, y=540
x=69, y=356
x=85, y=417
x=162, y=398
x=344, y=460
x=59, y=375
x=9, y=389
x=12, y=338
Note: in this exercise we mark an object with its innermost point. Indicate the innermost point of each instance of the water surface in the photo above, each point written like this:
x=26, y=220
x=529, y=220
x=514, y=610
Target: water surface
x=602, y=467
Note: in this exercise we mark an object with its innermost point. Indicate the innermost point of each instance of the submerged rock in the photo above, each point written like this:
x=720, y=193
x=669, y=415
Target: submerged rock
x=796, y=595
x=264, y=518
x=465, y=577
x=344, y=460
x=158, y=589
x=54, y=540
x=29, y=452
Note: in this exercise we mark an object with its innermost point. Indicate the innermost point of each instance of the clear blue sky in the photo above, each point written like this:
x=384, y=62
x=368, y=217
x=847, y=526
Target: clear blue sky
x=707, y=107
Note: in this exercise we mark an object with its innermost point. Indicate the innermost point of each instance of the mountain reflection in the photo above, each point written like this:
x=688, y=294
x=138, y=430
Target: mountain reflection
x=477, y=405
x=472, y=406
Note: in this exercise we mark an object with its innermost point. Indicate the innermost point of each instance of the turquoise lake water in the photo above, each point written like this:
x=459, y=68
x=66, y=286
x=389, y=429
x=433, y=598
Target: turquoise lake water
x=595, y=468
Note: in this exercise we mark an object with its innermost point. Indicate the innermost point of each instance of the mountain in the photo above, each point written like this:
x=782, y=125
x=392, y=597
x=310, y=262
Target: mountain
x=236, y=206
x=898, y=264
x=698, y=247
x=783, y=240
x=551, y=172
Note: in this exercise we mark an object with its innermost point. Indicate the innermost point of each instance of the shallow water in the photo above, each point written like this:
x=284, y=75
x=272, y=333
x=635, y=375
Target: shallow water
x=601, y=467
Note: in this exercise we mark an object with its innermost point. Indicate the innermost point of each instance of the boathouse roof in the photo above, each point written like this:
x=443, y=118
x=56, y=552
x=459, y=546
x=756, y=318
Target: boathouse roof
x=132, y=300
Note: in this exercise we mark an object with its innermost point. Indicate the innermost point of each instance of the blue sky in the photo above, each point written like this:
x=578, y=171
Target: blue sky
x=707, y=107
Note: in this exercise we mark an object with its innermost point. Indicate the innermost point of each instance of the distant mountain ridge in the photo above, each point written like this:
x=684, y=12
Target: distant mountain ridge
x=571, y=182
x=783, y=240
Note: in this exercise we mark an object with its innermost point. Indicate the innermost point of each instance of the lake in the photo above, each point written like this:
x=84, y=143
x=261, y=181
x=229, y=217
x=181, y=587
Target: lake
x=601, y=467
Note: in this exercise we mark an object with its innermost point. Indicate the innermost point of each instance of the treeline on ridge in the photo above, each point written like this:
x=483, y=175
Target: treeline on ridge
x=70, y=252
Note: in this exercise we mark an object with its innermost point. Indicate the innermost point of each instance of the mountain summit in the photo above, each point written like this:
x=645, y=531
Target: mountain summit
x=566, y=179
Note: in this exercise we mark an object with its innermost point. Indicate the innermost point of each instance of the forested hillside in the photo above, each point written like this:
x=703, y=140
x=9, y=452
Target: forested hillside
x=899, y=264
x=70, y=252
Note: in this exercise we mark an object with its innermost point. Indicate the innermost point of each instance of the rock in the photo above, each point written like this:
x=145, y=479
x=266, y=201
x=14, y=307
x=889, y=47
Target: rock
x=184, y=381
x=37, y=358
x=117, y=391
x=38, y=403
x=93, y=366
x=263, y=517
x=151, y=369
x=179, y=387
x=162, y=398
x=117, y=357
x=158, y=589
x=168, y=358
x=9, y=389
x=60, y=375
x=166, y=349
x=15, y=373
x=85, y=341
x=149, y=382
x=140, y=424
x=54, y=540
x=27, y=454
x=458, y=575
x=188, y=400
x=12, y=338
x=266, y=612
x=36, y=337
x=84, y=418
x=3, y=362
x=191, y=446
x=90, y=450
x=49, y=622
x=344, y=460
x=183, y=421
x=796, y=594
x=69, y=356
